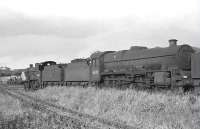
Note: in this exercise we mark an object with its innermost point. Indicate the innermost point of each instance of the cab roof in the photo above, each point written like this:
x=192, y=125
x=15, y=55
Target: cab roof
x=99, y=54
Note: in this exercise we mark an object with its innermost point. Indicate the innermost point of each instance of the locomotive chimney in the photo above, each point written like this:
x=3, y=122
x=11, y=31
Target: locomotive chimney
x=172, y=42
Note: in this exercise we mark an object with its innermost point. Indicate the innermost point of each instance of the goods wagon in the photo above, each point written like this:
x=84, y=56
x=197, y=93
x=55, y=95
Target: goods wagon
x=77, y=72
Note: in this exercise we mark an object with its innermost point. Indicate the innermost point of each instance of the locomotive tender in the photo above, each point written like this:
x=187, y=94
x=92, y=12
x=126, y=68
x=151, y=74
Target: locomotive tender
x=170, y=67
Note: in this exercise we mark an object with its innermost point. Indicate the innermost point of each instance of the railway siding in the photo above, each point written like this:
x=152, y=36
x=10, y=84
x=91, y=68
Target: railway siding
x=36, y=105
x=81, y=120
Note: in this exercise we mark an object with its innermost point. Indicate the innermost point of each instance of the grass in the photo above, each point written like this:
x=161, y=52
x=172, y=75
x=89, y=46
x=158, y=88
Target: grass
x=17, y=115
x=9, y=106
x=140, y=109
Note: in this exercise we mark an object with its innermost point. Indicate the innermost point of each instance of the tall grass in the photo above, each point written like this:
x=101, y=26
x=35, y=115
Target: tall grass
x=9, y=106
x=17, y=115
x=142, y=109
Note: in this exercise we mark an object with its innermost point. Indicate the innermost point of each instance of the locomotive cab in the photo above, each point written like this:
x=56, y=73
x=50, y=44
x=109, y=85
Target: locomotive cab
x=46, y=63
x=97, y=66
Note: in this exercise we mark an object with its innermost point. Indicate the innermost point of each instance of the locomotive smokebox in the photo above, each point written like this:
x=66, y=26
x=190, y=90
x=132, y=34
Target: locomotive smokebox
x=172, y=42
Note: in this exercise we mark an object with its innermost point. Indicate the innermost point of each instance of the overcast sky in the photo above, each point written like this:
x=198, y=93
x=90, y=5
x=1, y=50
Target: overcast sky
x=37, y=30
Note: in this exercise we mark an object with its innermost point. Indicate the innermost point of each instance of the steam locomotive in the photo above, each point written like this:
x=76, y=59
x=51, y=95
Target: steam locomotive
x=170, y=67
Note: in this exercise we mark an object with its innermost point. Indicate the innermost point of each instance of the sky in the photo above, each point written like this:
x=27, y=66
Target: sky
x=38, y=30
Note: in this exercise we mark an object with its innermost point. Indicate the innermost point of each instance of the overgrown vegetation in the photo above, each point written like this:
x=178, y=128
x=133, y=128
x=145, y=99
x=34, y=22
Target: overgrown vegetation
x=9, y=106
x=17, y=115
x=142, y=109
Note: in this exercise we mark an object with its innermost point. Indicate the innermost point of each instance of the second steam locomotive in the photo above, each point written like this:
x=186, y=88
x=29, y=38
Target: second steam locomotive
x=170, y=67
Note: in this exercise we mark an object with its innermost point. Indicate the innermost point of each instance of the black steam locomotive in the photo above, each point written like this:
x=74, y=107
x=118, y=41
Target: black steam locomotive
x=170, y=67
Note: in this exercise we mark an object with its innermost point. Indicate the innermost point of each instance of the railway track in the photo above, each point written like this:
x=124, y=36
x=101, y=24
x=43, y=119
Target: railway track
x=13, y=87
x=81, y=119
